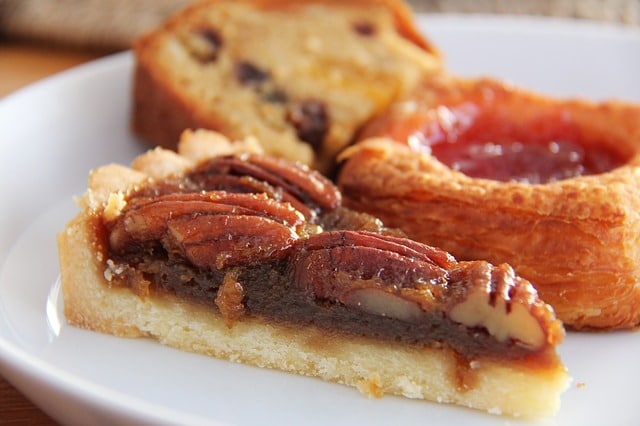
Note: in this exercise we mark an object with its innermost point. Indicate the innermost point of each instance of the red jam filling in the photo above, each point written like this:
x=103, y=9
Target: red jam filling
x=493, y=144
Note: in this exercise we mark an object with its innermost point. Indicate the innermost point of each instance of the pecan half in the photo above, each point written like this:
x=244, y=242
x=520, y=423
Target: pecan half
x=371, y=272
x=212, y=230
x=413, y=282
x=219, y=241
x=307, y=190
x=507, y=306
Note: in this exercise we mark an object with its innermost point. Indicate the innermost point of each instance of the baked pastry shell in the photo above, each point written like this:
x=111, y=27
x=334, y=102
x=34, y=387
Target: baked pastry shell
x=576, y=240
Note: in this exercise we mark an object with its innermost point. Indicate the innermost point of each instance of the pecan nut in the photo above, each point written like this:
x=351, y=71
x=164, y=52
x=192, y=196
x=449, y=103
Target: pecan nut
x=413, y=282
x=372, y=272
x=212, y=230
x=305, y=189
x=507, y=306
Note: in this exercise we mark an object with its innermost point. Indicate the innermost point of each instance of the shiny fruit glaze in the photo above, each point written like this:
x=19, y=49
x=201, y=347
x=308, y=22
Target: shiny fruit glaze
x=489, y=140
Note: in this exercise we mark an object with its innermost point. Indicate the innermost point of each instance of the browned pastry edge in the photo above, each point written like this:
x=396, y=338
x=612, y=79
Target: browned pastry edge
x=375, y=368
x=576, y=240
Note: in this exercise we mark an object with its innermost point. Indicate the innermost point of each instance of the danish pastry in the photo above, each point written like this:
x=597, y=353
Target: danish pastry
x=253, y=259
x=550, y=186
x=301, y=76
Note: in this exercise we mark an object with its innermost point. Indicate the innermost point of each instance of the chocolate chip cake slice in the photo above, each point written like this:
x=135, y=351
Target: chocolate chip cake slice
x=253, y=259
x=301, y=76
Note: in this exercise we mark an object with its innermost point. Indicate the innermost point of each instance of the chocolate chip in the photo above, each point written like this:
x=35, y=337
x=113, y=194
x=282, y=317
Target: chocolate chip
x=209, y=50
x=311, y=121
x=364, y=28
x=275, y=96
x=212, y=37
x=250, y=74
x=260, y=80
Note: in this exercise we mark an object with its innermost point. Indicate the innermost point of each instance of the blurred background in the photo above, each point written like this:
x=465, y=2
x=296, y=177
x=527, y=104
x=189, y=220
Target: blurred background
x=42, y=37
x=112, y=24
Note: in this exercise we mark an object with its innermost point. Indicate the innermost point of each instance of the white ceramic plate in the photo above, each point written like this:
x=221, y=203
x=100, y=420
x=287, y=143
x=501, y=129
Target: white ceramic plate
x=54, y=132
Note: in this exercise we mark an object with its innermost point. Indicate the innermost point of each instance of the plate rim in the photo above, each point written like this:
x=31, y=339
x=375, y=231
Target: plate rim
x=18, y=364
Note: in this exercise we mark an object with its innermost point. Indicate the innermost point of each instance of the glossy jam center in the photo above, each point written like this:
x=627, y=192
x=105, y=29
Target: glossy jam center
x=493, y=145
x=523, y=162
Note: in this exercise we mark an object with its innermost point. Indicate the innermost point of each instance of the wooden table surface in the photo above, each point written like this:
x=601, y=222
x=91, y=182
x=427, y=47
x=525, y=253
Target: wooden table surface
x=20, y=65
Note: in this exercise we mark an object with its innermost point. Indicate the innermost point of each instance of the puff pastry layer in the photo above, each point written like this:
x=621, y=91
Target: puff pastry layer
x=576, y=239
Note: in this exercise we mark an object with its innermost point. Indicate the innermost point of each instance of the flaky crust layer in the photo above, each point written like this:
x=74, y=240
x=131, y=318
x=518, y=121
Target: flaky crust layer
x=375, y=368
x=577, y=240
x=317, y=79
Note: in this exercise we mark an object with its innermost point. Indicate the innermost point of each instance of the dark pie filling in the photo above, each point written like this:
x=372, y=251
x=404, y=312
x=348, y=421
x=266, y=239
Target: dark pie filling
x=268, y=294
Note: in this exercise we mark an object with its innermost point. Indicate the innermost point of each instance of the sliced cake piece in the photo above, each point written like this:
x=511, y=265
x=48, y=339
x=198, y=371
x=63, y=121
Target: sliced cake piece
x=301, y=76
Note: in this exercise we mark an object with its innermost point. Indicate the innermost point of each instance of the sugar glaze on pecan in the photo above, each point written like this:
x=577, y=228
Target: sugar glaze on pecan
x=251, y=235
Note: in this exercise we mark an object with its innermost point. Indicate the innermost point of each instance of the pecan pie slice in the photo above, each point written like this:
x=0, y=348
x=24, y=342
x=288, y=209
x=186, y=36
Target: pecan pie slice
x=254, y=259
